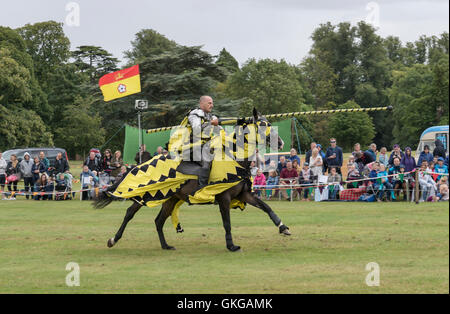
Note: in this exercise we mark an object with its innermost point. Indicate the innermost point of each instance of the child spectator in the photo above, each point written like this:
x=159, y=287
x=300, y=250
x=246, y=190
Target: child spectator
x=350, y=162
x=374, y=173
x=259, y=181
x=272, y=180
x=306, y=177
x=384, y=185
x=88, y=179
x=443, y=191
x=122, y=173
x=383, y=158
x=353, y=175
x=440, y=168
x=426, y=182
x=334, y=179
x=395, y=178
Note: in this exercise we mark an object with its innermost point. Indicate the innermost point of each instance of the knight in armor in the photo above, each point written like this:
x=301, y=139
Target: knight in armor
x=202, y=122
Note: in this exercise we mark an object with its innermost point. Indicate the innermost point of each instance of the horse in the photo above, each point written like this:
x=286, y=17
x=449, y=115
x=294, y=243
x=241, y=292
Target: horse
x=241, y=192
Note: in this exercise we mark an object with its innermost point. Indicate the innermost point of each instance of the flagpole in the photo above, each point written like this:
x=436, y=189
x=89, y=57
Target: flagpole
x=140, y=136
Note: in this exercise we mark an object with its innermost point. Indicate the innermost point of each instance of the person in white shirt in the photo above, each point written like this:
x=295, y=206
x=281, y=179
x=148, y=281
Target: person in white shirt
x=426, y=182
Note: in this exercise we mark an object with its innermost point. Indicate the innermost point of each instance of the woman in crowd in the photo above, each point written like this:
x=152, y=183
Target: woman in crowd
x=44, y=188
x=107, y=162
x=408, y=160
x=13, y=173
x=37, y=169
x=316, y=163
x=425, y=155
x=3, y=166
x=117, y=163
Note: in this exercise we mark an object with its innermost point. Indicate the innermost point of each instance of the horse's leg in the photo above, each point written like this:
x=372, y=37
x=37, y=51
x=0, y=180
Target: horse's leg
x=164, y=213
x=224, y=204
x=254, y=201
x=128, y=216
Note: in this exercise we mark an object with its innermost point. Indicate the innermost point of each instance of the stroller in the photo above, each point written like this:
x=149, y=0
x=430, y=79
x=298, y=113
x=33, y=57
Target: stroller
x=63, y=187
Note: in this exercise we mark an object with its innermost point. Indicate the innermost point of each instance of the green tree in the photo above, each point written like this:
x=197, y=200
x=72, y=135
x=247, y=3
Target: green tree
x=227, y=61
x=48, y=46
x=148, y=43
x=94, y=62
x=351, y=128
x=268, y=85
x=22, y=128
x=82, y=128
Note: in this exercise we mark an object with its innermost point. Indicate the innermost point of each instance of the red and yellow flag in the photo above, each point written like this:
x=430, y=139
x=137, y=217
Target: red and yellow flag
x=121, y=83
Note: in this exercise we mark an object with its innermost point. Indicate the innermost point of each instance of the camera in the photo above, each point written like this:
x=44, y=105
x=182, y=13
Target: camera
x=141, y=104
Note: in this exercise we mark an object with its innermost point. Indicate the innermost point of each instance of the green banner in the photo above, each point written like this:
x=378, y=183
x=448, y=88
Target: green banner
x=151, y=141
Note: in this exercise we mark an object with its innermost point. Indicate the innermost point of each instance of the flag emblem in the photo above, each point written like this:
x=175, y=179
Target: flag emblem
x=121, y=83
x=122, y=88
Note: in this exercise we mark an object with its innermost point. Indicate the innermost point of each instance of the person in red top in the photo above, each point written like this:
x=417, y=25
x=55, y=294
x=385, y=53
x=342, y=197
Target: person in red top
x=288, y=176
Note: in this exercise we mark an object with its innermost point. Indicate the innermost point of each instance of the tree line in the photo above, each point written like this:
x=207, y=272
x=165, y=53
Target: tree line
x=49, y=94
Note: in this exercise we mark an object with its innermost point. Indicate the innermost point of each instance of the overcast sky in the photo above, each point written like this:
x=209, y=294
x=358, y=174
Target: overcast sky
x=246, y=28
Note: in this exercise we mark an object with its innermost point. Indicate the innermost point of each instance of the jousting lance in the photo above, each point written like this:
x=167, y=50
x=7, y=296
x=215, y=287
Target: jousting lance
x=225, y=121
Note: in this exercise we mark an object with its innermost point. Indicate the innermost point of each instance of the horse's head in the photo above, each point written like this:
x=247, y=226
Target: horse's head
x=265, y=129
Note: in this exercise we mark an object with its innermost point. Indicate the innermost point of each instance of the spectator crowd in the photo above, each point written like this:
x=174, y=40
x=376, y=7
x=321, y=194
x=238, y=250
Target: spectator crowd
x=369, y=173
x=319, y=177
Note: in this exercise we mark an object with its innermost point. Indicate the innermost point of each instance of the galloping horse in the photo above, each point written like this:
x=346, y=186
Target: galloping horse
x=240, y=192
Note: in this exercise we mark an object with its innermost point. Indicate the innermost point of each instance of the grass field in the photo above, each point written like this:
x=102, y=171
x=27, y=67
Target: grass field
x=327, y=253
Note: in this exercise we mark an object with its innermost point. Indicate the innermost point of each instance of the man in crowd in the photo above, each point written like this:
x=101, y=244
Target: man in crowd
x=288, y=176
x=293, y=156
x=144, y=155
x=281, y=164
x=93, y=163
x=334, y=156
x=159, y=151
x=44, y=160
x=373, y=150
x=396, y=153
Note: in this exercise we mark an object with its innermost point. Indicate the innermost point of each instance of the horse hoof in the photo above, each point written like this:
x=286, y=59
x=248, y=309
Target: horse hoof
x=284, y=230
x=111, y=242
x=168, y=247
x=234, y=248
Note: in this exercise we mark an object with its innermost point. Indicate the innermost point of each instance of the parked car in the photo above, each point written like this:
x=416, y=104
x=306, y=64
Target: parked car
x=50, y=153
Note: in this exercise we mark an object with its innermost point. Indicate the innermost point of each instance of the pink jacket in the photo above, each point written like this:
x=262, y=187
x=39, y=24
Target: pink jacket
x=259, y=180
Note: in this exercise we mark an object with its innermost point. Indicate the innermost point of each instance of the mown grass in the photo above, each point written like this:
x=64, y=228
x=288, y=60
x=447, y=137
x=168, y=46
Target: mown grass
x=327, y=253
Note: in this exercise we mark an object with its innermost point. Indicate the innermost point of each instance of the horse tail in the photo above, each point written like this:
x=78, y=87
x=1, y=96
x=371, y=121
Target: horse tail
x=105, y=197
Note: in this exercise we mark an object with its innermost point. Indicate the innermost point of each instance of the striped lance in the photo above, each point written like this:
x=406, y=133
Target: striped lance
x=224, y=121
